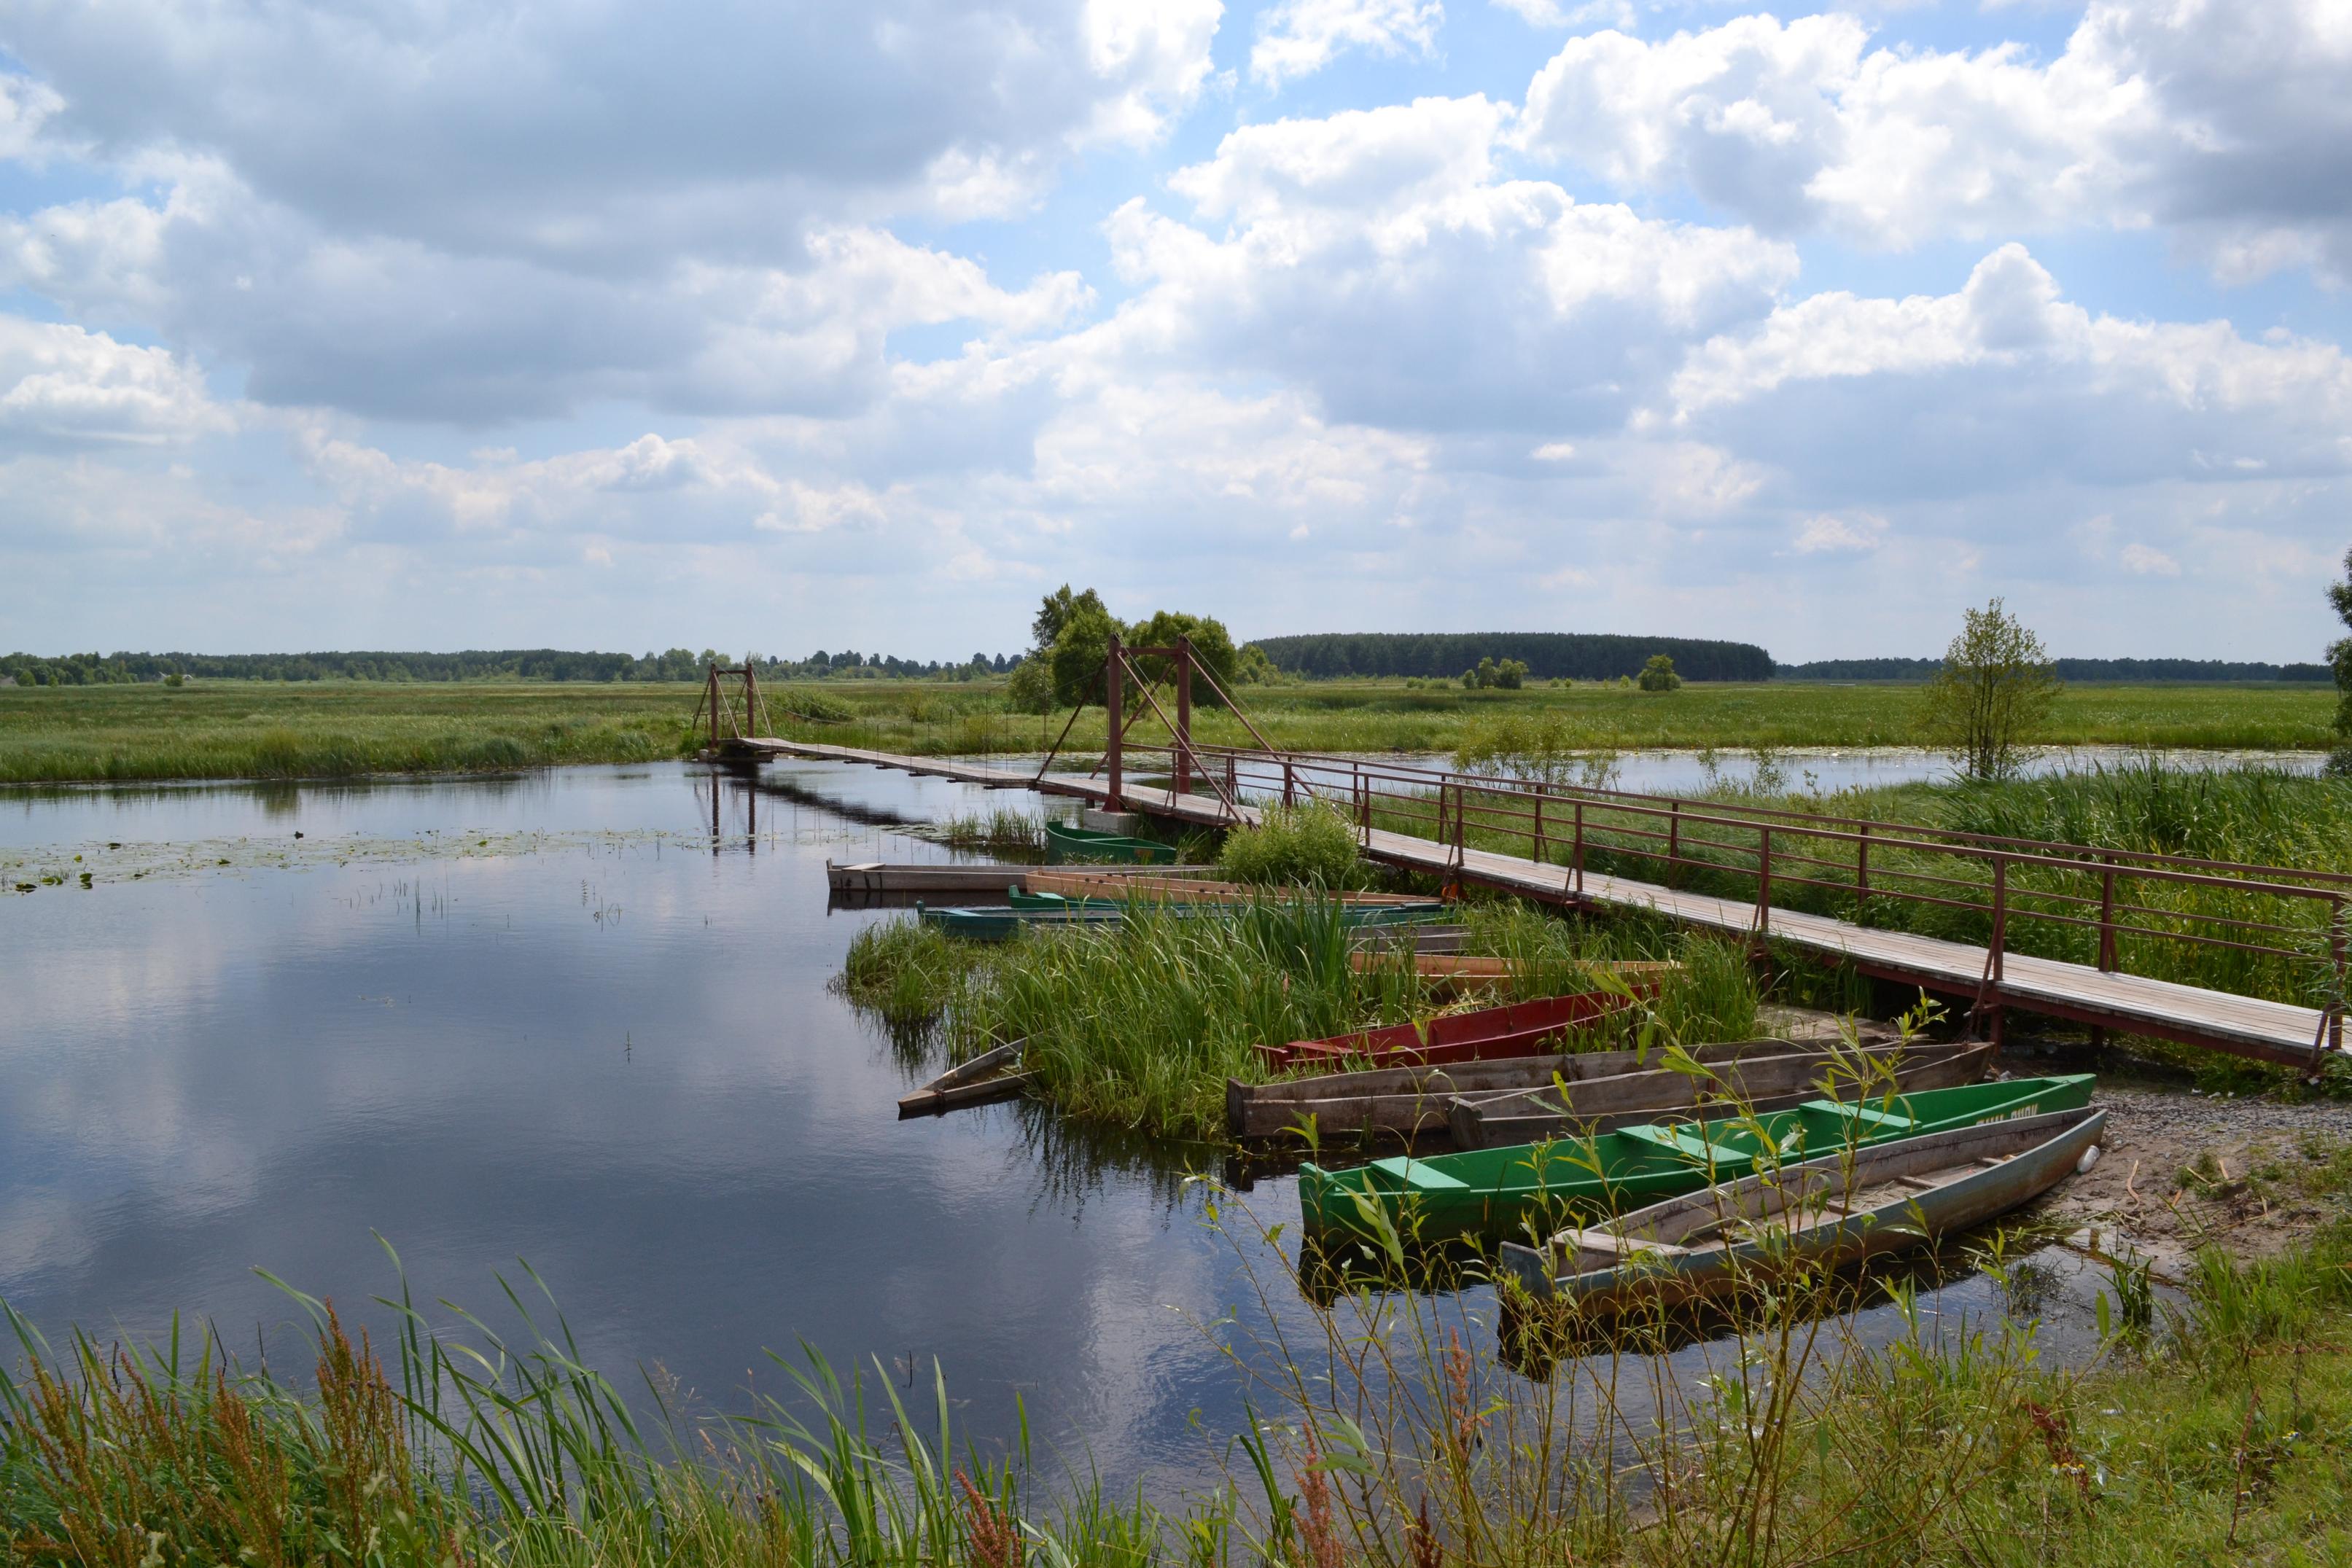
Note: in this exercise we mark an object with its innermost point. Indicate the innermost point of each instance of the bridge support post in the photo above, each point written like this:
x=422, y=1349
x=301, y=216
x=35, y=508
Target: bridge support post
x=711, y=691
x=1183, y=716
x=1113, y=701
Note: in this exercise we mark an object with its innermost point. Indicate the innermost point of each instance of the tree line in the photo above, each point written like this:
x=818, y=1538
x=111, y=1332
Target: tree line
x=1548, y=655
x=2128, y=670
x=95, y=669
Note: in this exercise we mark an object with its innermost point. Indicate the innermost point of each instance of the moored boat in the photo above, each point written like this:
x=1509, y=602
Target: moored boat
x=1824, y=1212
x=1415, y=1100
x=995, y=1074
x=1065, y=842
x=1521, y=1029
x=1764, y=1083
x=1504, y=1192
x=1119, y=885
x=1350, y=914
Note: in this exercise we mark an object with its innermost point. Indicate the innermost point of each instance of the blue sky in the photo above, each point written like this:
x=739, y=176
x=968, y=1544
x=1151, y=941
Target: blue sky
x=778, y=327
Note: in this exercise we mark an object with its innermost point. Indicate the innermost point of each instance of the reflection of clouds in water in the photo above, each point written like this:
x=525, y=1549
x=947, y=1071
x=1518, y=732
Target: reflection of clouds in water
x=264, y=1068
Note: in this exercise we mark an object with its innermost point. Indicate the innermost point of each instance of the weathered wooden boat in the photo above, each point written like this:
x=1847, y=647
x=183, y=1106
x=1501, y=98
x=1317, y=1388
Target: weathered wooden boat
x=880, y=876
x=1521, y=1029
x=1434, y=936
x=1511, y=1192
x=1096, y=883
x=1412, y=1100
x=1825, y=1213
x=1065, y=842
x=997, y=922
x=994, y=1074
x=1763, y=1083
x=1354, y=915
x=1454, y=974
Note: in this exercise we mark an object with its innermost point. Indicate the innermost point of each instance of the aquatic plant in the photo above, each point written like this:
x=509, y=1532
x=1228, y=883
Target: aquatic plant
x=1310, y=843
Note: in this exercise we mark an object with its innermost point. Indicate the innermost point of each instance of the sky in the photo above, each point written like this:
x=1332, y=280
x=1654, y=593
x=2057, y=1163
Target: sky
x=776, y=326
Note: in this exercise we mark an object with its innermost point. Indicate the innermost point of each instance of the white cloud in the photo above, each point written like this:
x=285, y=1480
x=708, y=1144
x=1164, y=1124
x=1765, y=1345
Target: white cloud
x=24, y=105
x=2142, y=560
x=1300, y=37
x=61, y=385
x=2227, y=124
x=1827, y=533
x=1379, y=259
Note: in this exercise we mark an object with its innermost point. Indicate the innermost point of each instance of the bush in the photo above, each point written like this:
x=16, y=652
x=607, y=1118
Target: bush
x=1658, y=675
x=1310, y=842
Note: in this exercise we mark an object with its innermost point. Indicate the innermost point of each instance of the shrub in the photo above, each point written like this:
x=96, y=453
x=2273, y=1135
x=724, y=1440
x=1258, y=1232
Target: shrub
x=1658, y=675
x=1312, y=841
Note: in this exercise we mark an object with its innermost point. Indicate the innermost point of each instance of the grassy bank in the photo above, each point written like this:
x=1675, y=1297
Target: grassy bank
x=2257, y=816
x=1140, y=1024
x=335, y=729
x=2212, y=1431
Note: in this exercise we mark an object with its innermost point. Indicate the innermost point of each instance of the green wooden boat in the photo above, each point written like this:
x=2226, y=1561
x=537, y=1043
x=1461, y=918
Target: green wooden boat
x=1065, y=843
x=994, y=923
x=1530, y=1189
x=1357, y=914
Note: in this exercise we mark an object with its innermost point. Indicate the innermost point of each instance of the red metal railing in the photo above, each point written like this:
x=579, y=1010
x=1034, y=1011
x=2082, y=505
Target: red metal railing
x=2267, y=927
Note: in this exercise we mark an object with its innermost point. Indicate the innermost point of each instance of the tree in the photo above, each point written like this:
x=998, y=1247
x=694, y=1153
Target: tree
x=1996, y=683
x=1658, y=675
x=1510, y=674
x=2339, y=653
x=1060, y=607
x=1212, y=649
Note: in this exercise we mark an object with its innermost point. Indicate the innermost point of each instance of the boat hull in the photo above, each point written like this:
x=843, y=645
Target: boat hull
x=1066, y=844
x=2021, y=1160
x=1520, y=1191
x=1521, y=1029
x=1771, y=1083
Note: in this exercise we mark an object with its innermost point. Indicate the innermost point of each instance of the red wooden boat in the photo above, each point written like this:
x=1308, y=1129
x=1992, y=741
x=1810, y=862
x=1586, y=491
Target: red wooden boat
x=1488, y=1034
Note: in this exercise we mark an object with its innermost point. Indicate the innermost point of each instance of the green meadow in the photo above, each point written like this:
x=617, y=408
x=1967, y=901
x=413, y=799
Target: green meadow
x=231, y=729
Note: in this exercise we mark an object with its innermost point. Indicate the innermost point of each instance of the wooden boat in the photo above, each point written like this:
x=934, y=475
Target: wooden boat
x=1763, y=1084
x=1451, y=974
x=1413, y=1099
x=1522, y=1028
x=1144, y=884
x=991, y=1075
x=1417, y=936
x=1065, y=842
x=1381, y=914
x=1509, y=1191
x=1824, y=1212
x=992, y=922
x=878, y=877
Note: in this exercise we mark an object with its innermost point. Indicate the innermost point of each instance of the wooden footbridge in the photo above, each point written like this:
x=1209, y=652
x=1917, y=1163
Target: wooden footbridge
x=2041, y=927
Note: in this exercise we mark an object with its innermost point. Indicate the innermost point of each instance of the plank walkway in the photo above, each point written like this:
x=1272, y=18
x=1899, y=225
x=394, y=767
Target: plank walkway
x=2244, y=1025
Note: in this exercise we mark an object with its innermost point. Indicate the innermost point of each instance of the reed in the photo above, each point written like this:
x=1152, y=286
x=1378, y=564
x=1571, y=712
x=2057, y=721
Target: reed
x=1139, y=1025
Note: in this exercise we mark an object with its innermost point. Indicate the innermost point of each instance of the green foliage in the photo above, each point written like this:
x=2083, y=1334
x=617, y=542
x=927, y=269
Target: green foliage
x=1996, y=686
x=1583, y=656
x=2339, y=653
x=1310, y=843
x=1658, y=675
x=904, y=971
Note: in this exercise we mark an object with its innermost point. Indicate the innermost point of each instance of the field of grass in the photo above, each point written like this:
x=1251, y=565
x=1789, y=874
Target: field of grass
x=1392, y=1430
x=336, y=729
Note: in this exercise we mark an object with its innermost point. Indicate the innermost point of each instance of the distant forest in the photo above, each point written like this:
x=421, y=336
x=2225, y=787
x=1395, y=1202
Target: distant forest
x=2138, y=671
x=510, y=664
x=1548, y=656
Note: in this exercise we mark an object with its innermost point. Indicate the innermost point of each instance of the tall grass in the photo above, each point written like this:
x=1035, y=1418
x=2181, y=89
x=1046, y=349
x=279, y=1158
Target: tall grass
x=486, y=1450
x=2253, y=815
x=1310, y=843
x=1139, y=1025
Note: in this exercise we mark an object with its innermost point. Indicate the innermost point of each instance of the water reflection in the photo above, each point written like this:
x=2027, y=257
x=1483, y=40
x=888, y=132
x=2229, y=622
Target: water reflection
x=604, y=1043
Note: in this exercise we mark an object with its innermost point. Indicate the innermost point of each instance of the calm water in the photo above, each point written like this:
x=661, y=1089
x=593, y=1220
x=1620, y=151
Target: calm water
x=559, y=1018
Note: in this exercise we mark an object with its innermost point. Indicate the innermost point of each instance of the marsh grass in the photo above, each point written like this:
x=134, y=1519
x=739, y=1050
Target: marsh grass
x=239, y=729
x=1000, y=831
x=479, y=1448
x=2253, y=815
x=1139, y=1025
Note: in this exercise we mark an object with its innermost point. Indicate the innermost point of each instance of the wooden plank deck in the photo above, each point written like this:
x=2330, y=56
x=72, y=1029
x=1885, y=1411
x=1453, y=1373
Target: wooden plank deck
x=2245, y=1026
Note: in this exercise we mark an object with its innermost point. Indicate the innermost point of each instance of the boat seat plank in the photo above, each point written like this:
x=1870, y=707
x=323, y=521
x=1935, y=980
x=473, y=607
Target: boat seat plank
x=1683, y=1143
x=1859, y=1113
x=1418, y=1174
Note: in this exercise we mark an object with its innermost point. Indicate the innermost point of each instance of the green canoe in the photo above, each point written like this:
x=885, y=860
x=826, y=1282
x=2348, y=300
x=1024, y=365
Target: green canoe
x=1065, y=843
x=994, y=923
x=1528, y=1189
